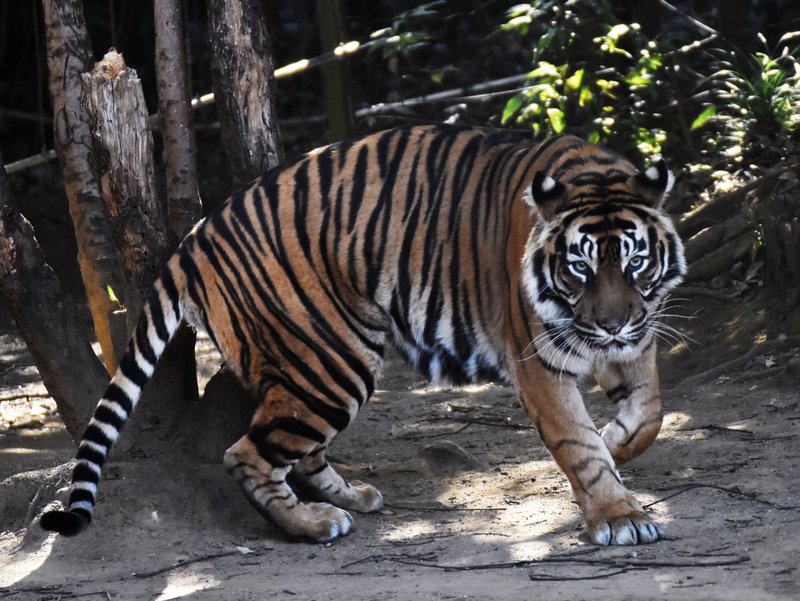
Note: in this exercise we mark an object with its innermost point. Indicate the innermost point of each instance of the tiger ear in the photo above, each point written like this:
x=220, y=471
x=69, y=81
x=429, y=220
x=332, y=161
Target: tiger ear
x=545, y=194
x=653, y=184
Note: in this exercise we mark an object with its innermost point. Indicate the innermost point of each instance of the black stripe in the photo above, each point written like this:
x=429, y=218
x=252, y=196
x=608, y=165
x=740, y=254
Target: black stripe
x=553, y=369
x=83, y=473
x=317, y=470
x=90, y=454
x=119, y=396
x=95, y=435
x=108, y=416
x=79, y=494
x=359, y=183
x=168, y=281
x=142, y=343
x=131, y=370
x=157, y=313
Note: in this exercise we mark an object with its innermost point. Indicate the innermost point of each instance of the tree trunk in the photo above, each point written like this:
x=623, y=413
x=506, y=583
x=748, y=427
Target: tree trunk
x=780, y=219
x=180, y=153
x=244, y=84
x=68, y=56
x=335, y=74
x=124, y=149
x=175, y=118
x=44, y=314
x=244, y=89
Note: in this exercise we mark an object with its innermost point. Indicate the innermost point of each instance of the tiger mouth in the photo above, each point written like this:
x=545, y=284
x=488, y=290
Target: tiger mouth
x=610, y=342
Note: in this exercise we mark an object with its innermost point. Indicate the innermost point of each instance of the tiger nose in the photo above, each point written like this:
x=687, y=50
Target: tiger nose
x=612, y=324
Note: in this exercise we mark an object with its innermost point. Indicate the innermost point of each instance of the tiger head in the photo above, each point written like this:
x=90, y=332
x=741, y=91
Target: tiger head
x=602, y=258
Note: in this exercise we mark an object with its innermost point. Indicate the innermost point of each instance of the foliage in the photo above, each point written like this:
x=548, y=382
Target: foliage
x=593, y=74
x=755, y=102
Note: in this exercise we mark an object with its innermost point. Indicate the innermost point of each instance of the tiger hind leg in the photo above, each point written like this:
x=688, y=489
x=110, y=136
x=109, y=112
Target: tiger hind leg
x=317, y=478
x=265, y=487
x=284, y=431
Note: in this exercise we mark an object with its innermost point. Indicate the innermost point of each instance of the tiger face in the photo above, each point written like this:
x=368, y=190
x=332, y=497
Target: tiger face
x=600, y=262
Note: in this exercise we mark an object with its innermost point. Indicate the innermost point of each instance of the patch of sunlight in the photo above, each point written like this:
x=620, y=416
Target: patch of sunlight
x=529, y=549
x=418, y=529
x=22, y=451
x=467, y=388
x=185, y=584
x=17, y=567
x=676, y=419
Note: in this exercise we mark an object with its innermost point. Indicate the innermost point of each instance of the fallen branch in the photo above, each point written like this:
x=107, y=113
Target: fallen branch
x=425, y=561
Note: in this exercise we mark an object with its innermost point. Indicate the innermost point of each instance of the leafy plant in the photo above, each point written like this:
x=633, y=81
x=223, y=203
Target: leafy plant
x=755, y=106
x=592, y=74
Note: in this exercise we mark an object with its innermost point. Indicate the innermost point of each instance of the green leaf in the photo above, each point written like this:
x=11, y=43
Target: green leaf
x=573, y=82
x=512, y=106
x=585, y=96
x=703, y=117
x=556, y=117
x=110, y=292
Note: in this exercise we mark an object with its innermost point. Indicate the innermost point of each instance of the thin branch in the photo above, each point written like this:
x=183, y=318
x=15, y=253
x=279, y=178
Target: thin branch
x=185, y=562
x=463, y=94
x=425, y=561
x=733, y=492
x=28, y=395
x=698, y=24
x=442, y=508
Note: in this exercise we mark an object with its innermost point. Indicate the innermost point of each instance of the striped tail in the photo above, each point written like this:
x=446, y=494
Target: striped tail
x=157, y=324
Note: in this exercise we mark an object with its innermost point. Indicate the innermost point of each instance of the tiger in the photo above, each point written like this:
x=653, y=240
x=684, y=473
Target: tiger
x=480, y=255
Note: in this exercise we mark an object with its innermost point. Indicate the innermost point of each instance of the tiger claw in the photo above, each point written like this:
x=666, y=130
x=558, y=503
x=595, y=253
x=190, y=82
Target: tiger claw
x=634, y=529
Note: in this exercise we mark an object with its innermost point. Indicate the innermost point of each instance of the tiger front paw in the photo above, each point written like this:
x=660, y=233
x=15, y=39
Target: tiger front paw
x=635, y=528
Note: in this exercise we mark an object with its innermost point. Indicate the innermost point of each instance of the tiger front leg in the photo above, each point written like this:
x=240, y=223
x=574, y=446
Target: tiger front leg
x=613, y=516
x=633, y=388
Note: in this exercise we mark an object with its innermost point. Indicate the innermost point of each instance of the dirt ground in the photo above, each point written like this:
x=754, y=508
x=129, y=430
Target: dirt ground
x=475, y=507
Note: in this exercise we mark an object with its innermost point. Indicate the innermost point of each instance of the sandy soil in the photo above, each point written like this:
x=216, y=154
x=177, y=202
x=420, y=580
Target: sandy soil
x=475, y=507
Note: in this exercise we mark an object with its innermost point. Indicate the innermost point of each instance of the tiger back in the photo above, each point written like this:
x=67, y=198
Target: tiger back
x=479, y=256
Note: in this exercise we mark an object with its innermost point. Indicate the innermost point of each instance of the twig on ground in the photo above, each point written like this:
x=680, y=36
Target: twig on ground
x=549, y=578
x=441, y=508
x=733, y=492
x=185, y=562
x=426, y=561
x=25, y=395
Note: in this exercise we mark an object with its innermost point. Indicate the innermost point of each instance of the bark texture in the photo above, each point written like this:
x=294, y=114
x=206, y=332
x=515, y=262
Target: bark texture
x=124, y=148
x=48, y=322
x=244, y=84
x=244, y=88
x=68, y=56
x=175, y=119
x=335, y=74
